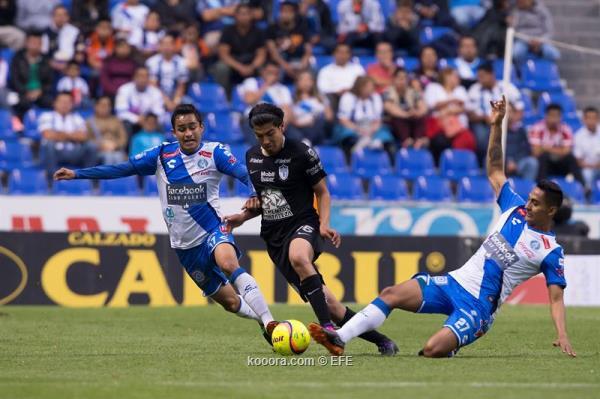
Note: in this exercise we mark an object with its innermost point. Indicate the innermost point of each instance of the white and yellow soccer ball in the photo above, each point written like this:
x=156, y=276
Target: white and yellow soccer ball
x=290, y=337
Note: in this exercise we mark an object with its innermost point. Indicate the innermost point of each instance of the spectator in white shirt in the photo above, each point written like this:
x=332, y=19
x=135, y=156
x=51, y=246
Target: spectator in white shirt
x=361, y=22
x=59, y=39
x=73, y=83
x=168, y=72
x=65, y=139
x=35, y=14
x=480, y=94
x=338, y=77
x=447, y=97
x=138, y=98
x=587, y=146
x=467, y=61
x=129, y=16
x=360, y=116
x=147, y=38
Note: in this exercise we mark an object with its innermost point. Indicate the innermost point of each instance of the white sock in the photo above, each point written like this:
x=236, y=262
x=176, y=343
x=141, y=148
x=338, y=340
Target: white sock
x=248, y=289
x=367, y=319
x=246, y=312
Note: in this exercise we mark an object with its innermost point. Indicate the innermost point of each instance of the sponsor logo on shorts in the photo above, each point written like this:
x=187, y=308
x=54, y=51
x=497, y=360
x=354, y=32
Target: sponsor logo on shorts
x=198, y=277
x=440, y=280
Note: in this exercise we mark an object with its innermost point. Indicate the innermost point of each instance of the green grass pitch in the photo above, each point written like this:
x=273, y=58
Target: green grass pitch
x=140, y=352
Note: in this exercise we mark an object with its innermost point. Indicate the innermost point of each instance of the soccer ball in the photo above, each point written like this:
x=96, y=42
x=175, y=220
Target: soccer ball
x=290, y=337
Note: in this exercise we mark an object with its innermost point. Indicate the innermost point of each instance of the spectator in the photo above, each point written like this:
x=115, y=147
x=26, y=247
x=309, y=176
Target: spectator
x=10, y=35
x=480, y=94
x=338, y=77
x=86, y=14
x=433, y=12
x=168, y=72
x=467, y=13
x=402, y=30
x=288, y=42
x=361, y=22
x=241, y=49
x=532, y=18
x=428, y=70
x=564, y=225
x=491, y=30
x=587, y=147
x=59, y=39
x=31, y=76
x=64, y=137
x=382, y=71
x=108, y=132
x=321, y=28
x=129, y=16
x=406, y=110
x=147, y=38
x=176, y=14
x=137, y=98
x=311, y=112
x=360, y=117
x=117, y=69
x=150, y=135
x=35, y=15
x=100, y=45
x=519, y=161
x=552, y=144
x=73, y=83
x=467, y=61
x=193, y=51
x=448, y=97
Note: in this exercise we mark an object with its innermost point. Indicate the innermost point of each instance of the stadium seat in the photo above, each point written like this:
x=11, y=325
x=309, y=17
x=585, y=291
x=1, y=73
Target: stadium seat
x=432, y=188
x=390, y=188
x=237, y=102
x=540, y=75
x=498, y=65
x=456, y=164
x=409, y=63
x=529, y=110
x=368, y=163
x=150, y=187
x=239, y=151
x=430, y=34
x=208, y=97
x=27, y=182
x=365, y=60
x=223, y=127
x=72, y=187
x=344, y=186
x=332, y=158
x=125, y=186
x=572, y=189
x=521, y=186
x=14, y=155
x=30, y=123
x=321, y=61
x=474, y=189
x=411, y=163
x=596, y=193
x=6, y=130
x=564, y=100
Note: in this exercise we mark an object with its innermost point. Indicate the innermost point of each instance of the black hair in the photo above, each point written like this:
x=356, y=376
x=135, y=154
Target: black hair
x=64, y=93
x=151, y=115
x=400, y=70
x=467, y=37
x=342, y=44
x=591, y=109
x=73, y=62
x=34, y=33
x=185, y=109
x=553, y=194
x=554, y=107
x=59, y=6
x=486, y=67
x=263, y=113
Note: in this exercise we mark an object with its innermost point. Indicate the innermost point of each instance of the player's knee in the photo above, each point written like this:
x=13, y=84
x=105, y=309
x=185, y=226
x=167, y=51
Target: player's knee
x=228, y=265
x=231, y=304
x=433, y=349
x=300, y=263
x=389, y=296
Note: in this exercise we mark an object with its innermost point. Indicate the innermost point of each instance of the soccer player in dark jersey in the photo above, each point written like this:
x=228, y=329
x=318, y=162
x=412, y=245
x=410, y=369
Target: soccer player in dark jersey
x=287, y=175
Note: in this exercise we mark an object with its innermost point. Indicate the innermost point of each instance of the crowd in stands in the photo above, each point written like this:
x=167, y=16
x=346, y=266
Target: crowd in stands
x=92, y=81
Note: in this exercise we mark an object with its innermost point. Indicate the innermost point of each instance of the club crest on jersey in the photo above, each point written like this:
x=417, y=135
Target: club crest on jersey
x=535, y=245
x=203, y=163
x=284, y=172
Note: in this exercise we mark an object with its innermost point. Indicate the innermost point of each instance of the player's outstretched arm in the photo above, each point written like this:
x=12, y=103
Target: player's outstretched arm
x=97, y=172
x=495, y=158
x=324, y=205
x=557, y=308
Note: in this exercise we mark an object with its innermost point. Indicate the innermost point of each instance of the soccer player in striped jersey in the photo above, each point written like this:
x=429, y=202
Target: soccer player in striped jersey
x=519, y=247
x=188, y=173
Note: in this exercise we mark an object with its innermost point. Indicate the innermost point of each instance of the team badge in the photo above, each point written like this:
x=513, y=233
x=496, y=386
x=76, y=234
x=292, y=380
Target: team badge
x=198, y=277
x=203, y=163
x=284, y=172
x=535, y=245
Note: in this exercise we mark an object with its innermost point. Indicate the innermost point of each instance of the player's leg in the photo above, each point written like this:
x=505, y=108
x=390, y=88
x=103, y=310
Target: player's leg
x=441, y=344
x=226, y=296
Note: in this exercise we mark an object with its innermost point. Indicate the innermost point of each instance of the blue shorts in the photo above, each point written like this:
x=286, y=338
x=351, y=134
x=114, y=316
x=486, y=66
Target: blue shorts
x=199, y=262
x=442, y=294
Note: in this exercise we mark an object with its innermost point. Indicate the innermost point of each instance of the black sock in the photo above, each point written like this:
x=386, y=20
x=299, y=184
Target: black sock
x=312, y=289
x=371, y=336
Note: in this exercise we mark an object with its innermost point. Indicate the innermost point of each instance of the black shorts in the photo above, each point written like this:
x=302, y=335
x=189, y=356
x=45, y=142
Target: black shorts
x=280, y=254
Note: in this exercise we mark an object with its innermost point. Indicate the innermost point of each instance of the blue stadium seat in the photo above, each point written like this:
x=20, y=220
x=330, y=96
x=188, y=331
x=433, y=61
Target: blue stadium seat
x=522, y=186
x=475, y=189
x=150, y=187
x=432, y=188
x=564, y=100
x=574, y=123
x=540, y=75
x=572, y=189
x=499, y=71
x=208, y=97
x=322, y=60
x=30, y=123
x=529, y=110
x=125, y=186
x=223, y=127
x=237, y=102
x=6, y=130
x=368, y=163
x=409, y=63
x=365, y=60
x=456, y=164
x=239, y=151
x=411, y=163
x=596, y=192
x=344, y=186
x=447, y=63
x=27, y=182
x=430, y=34
x=391, y=188
x=72, y=187
x=14, y=155
x=332, y=158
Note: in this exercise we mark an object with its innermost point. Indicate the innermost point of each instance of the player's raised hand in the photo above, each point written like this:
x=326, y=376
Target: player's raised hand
x=252, y=204
x=498, y=111
x=330, y=234
x=64, y=174
x=565, y=346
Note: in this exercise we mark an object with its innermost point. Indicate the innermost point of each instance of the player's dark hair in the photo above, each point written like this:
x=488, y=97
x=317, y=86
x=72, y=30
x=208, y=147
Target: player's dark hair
x=553, y=194
x=591, y=109
x=185, y=109
x=263, y=113
x=554, y=107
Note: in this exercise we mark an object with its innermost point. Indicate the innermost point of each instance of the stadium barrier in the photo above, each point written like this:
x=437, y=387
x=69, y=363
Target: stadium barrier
x=85, y=269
